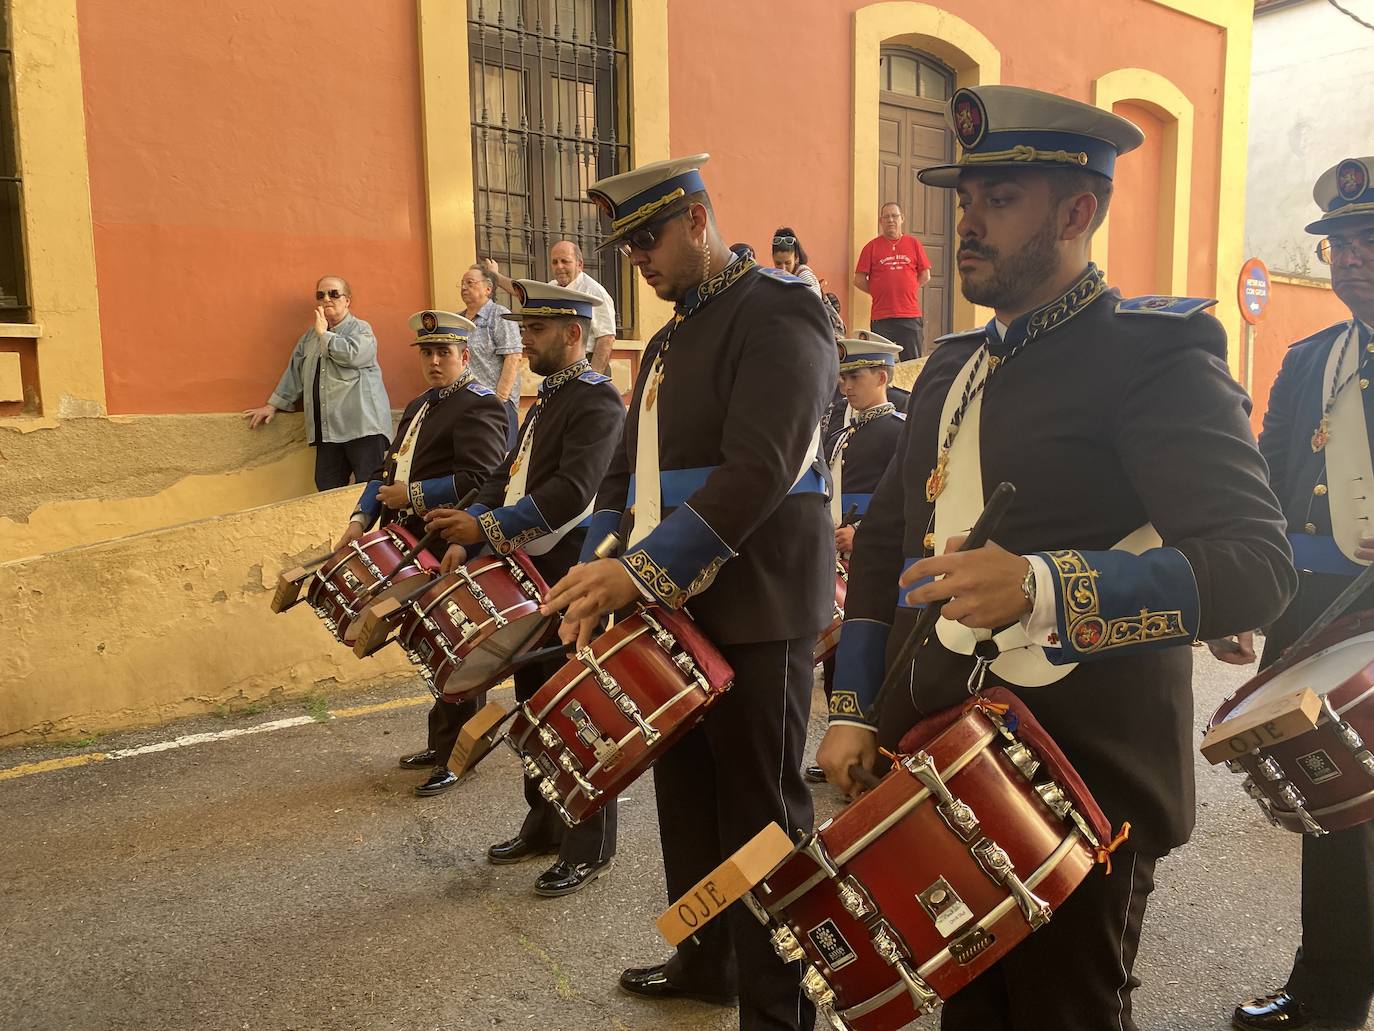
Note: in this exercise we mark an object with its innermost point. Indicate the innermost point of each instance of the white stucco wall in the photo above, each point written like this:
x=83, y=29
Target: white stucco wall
x=1311, y=105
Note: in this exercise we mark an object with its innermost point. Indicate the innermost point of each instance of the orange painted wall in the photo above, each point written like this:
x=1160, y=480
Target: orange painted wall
x=1133, y=247
x=775, y=118
x=1294, y=312
x=237, y=153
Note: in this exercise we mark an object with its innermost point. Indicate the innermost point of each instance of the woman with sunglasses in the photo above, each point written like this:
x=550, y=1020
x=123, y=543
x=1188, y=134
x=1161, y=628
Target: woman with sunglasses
x=789, y=256
x=334, y=370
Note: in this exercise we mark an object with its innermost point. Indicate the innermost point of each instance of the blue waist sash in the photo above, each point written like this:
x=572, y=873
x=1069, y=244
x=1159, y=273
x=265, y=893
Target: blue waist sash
x=677, y=485
x=1314, y=554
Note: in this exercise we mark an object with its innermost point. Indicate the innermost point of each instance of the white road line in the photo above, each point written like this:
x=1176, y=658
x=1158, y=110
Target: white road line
x=200, y=739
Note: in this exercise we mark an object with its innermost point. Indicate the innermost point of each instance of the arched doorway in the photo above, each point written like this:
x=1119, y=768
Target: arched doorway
x=913, y=89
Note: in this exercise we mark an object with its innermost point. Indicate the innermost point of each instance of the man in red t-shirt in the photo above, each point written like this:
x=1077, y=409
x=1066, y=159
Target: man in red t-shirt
x=892, y=269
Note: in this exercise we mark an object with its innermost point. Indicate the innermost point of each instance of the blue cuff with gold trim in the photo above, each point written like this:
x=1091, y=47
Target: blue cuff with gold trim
x=514, y=526
x=436, y=493
x=1113, y=603
x=858, y=670
x=603, y=521
x=369, y=508
x=679, y=559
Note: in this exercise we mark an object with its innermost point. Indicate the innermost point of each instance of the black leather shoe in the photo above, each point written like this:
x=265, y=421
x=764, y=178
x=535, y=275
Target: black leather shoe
x=813, y=775
x=564, y=878
x=653, y=983
x=517, y=850
x=1270, y=1012
x=419, y=760
x=439, y=781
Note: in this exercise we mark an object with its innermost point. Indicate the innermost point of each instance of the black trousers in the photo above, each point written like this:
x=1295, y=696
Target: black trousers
x=722, y=783
x=592, y=840
x=360, y=458
x=909, y=333
x=1334, y=968
x=445, y=720
x=1075, y=973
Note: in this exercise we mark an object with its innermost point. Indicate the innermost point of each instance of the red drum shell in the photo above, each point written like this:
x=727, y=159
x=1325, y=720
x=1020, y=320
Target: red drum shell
x=649, y=672
x=452, y=636
x=829, y=641
x=1337, y=787
x=909, y=858
x=338, y=590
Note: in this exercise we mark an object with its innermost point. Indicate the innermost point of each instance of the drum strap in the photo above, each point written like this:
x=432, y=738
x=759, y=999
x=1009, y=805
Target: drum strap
x=1019, y=662
x=516, y=485
x=1349, y=471
x=405, y=454
x=837, y=453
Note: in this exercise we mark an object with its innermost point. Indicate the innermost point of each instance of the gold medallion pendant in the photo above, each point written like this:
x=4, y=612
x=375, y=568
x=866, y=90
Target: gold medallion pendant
x=1321, y=435
x=935, y=482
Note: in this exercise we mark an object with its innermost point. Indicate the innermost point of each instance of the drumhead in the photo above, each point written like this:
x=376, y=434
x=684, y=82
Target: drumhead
x=494, y=655
x=1323, y=671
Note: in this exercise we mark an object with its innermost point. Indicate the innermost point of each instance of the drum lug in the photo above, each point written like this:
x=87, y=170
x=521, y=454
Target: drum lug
x=1366, y=759
x=994, y=860
x=816, y=988
x=1269, y=766
x=815, y=848
x=785, y=944
x=532, y=770
x=549, y=791
x=1261, y=800
x=549, y=737
x=1025, y=760
x=1053, y=796
x=1234, y=765
x=958, y=816
x=1348, y=735
x=569, y=764
x=1291, y=797
x=888, y=944
x=855, y=900
x=922, y=995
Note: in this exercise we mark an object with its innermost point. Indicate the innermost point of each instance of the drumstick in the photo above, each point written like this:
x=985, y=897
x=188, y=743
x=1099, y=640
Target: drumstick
x=978, y=536
x=1333, y=612
x=539, y=655
x=848, y=517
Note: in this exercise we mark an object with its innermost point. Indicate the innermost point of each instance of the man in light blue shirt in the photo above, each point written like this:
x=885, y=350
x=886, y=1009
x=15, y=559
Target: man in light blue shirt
x=495, y=348
x=334, y=369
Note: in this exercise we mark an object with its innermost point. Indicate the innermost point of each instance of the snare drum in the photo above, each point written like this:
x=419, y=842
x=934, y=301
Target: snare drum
x=973, y=839
x=829, y=641
x=1322, y=780
x=348, y=580
x=608, y=714
x=468, y=628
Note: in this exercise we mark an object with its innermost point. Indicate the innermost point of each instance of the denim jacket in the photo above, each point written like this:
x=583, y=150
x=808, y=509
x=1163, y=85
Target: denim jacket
x=353, y=399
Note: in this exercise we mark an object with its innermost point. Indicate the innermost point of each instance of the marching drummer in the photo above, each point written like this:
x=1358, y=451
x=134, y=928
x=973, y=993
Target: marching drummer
x=539, y=500
x=1106, y=414
x=718, y=490
x=449, y=440
x=1318, y=436
x=859, y=446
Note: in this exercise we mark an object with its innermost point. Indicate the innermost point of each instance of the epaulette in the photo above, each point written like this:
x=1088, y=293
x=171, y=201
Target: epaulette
x=592, y=376
x=479, y=389
x=1159, y=304
x=964, y=334
x=779, y=274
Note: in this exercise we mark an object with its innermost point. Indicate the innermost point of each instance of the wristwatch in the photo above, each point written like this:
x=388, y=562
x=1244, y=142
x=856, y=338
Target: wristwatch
x=1028, y=585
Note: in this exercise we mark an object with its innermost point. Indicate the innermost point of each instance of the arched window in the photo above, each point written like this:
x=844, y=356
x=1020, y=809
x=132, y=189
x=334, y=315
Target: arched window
x=910, y=74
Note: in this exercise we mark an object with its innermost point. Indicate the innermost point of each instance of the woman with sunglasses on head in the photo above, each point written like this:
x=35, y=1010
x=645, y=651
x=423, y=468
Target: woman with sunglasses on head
x=789, y=256
x=334, y=369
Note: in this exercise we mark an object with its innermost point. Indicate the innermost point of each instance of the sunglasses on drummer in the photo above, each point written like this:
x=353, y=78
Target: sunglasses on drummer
x=646, y=238
x=333, y=295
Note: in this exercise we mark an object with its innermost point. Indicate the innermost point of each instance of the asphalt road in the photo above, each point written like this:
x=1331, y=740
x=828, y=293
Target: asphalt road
x=291, y=880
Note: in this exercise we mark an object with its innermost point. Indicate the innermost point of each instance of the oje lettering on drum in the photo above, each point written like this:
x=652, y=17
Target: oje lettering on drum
x=1264, y=734
x=688, y=913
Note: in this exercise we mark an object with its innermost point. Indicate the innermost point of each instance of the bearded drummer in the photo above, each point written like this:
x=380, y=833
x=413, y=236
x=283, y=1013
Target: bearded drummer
x=449, y=440
x=539, y=500
x=1317, y=438
x=1108, y=415
x=718, y=489
x=859, y=446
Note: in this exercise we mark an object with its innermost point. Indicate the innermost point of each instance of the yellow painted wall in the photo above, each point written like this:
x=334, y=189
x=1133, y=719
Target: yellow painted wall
x=171, y=623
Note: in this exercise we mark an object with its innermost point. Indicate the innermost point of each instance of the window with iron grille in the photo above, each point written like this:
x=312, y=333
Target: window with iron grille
x=549, y=85
x=14, y=278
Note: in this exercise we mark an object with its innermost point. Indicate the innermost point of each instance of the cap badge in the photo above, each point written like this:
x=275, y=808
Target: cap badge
x=429, y=321
x=970, y=118
x=1352, y=179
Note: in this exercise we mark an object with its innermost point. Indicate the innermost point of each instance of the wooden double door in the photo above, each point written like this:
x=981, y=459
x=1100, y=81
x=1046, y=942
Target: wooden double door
x=912, y=135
